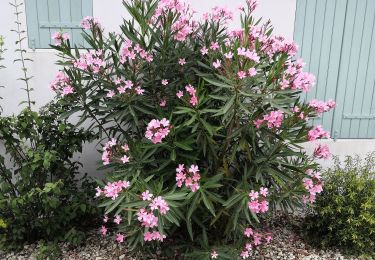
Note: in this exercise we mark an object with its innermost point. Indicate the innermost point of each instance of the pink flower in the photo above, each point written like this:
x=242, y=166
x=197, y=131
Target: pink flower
x=117, y=219
x=125, y=159
x=139, y=91
x=105, y=219
x=157, y=130
x=103, y=231
x=180, y=94
x=257, y=238
x=120, y=238
x=98, y=192
x=217, y=64
x=125, y=147
x=241, y=74
x=214, y=46
x=111, y=94
x=254, y=206
x=244, y=254
x=92, y=61
x=148, y=219
x=67, y=90
x=147, y=236
x=60, y=37
x=263, y=206
x=146, y=195
x=164, y=82
x=214, y=255
x=321, y=107
x=182, y=62
x=190, y=177
x=88, y=22
x=163, y=103
x=204, y=51
x=248, y=232
x=253, y=195
x=228, y=55
x=258, y=123
x=268, y=237
x=112, y=189
x=252, y=72
x=322, y=151
x=160, y=204
x=317, y=133
x=263, y=191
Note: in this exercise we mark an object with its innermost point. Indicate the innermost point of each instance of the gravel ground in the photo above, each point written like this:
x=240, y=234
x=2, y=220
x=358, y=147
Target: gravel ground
x=286, y=245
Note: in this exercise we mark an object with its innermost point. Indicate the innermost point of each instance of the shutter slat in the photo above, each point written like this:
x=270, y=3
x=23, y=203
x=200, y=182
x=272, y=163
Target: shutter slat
x=32, y=21
x=354, y=32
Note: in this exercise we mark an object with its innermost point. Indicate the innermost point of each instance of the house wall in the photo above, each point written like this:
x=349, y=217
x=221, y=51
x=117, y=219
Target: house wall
x=111, y=12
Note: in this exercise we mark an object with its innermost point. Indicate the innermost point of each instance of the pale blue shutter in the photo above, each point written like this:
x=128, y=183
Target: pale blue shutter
x=337, y=42
x=44, y=17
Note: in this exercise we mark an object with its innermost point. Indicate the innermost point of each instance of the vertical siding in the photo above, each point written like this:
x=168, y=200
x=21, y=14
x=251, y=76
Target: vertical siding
x=318, y=32
x=337, y=43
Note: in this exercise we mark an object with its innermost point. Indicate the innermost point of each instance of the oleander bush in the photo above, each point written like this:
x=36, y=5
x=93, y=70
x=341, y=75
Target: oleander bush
x=42, y=194
x=344, y=215
x=201, y=127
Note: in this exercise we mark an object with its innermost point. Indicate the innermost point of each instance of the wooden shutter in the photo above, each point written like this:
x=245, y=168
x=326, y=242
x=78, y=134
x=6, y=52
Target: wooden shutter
x=44, y=17
x=337, y=42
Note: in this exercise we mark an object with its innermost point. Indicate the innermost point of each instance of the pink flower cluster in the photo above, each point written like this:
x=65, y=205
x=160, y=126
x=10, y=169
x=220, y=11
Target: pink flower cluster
x=258, y=202
x=107, y=151
x=112, y=189
x=131, y=51
x=243, y=74
x=190, y=177
x=91, y=61
x=251, y=55
x=61, y=84
x=103, y=230
x=273, y=119
x=317, y=133
x=320, y=106
x=125, y=87
x=313, y=184
x=157, y=130
x=154, y=235
x=60, y=37
x=184, y=25
x=296, y=78
x=219, y=14
x=148, y=218
x=89, y=22
x=322, y=151
x=193, y=99
x=277, y=44
x=257, y=239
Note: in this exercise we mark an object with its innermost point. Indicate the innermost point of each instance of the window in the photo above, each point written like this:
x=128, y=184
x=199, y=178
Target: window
x=44, y=17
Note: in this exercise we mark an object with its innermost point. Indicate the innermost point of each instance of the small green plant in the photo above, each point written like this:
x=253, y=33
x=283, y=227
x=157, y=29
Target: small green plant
x=345, y=213
x=41, y=196
x=21, y=36
x=50, y=251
